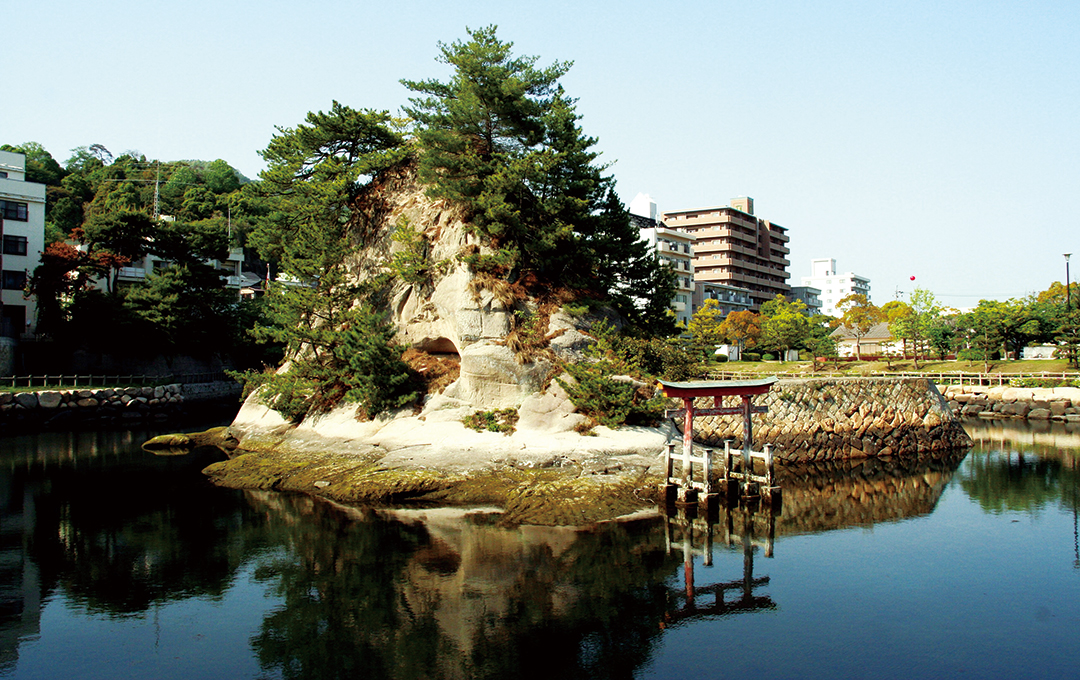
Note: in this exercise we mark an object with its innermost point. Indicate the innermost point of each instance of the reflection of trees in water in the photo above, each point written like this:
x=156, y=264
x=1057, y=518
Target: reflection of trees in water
x=122, y=537
x=1018, y=466
x=452, y=597
x=116, y=529
x=1001, y=481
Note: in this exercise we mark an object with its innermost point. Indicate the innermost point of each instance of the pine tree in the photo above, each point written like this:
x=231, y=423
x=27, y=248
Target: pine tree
x=501, y=139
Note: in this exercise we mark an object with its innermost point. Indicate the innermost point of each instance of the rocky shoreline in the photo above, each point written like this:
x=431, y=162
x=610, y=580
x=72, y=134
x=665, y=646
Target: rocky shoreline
x=51, y=407
x=1031, y=403
x=545, y=472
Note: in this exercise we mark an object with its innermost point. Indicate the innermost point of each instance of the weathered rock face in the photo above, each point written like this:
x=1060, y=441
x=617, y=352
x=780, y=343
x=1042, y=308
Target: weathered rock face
x=847, y=418
x=448, y=314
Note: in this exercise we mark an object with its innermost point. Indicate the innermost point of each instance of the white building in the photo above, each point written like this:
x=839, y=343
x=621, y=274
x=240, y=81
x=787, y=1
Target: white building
x=22, y=223
x=229, y=268
x=834, y=287
x=674, y=248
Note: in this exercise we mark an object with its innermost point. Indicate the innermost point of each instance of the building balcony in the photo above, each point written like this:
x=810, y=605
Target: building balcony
x=131, y=273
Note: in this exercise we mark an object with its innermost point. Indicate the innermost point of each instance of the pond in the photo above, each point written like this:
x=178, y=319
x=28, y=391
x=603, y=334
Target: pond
x=115, y=563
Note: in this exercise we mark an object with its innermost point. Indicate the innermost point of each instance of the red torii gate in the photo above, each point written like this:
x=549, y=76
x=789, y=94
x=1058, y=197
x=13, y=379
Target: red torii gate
x=688, y=391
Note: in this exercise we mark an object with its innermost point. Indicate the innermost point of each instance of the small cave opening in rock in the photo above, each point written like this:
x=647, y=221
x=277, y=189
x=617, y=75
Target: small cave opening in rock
x=436, y=362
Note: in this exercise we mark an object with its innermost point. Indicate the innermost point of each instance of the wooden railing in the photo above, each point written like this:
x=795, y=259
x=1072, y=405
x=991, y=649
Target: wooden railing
x=941, y=377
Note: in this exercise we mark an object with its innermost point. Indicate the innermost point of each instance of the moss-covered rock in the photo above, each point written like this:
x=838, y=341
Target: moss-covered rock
x=178, y=444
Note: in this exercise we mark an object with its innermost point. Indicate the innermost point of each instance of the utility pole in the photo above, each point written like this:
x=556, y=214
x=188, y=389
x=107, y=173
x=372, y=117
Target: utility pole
x=157, y=183
x=1067, y=297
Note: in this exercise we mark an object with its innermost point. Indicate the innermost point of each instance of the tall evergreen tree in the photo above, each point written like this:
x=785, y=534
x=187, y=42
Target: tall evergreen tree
x=501, y=139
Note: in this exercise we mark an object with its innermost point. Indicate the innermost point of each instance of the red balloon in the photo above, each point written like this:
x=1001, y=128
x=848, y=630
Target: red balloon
x=912, y=278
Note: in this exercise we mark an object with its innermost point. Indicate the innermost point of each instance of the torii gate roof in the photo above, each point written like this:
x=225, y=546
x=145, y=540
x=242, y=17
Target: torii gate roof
x=717, y=388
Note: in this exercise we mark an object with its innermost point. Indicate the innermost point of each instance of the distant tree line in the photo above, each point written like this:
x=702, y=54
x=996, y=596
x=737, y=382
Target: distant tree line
x=923, y=327
x=104, y=213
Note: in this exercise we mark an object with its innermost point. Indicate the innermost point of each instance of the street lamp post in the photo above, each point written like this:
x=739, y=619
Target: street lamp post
x=1067, y=299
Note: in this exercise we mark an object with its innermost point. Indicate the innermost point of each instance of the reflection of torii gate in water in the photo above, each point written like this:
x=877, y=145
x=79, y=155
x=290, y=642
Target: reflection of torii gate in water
x=686, y=522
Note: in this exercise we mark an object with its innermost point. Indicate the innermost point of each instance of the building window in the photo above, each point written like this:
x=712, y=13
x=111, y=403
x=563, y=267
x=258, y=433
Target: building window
x=14, y=280
x=14, y=245
x=13, y=210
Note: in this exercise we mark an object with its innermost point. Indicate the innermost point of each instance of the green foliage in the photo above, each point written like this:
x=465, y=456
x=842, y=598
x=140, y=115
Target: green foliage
x=706, y=327
x=610, y=402
x=942, y=335
x=528, y=338
x=500, y=139
x=1068, y=337
x=339, y=345
x=785, y=324
x=500, y=420
x=338, y=351
x=184, y=305
x=41, y=167
x=859, y=316
x=1043, y=382
x=314, y=172
x=912, y=323
x=646, y=358
x=412, y=264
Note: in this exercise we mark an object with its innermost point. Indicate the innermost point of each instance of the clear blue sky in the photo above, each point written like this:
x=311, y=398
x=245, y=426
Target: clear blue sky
x=929, y=139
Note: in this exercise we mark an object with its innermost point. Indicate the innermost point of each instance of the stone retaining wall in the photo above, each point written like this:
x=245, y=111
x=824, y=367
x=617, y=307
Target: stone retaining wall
x=122, y=403
x=1033, y=403
x=842, y=418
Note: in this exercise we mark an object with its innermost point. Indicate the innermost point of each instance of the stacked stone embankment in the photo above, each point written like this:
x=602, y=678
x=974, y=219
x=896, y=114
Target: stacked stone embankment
x=1032, y=403
x=810, y=420
x=121, y=403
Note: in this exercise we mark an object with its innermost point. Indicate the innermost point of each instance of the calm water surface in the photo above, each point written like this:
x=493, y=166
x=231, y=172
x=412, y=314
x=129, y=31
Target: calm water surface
x=118, y=564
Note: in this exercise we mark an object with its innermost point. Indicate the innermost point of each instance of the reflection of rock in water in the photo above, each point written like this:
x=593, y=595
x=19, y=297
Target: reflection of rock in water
x=840, y=494
x=450, y=593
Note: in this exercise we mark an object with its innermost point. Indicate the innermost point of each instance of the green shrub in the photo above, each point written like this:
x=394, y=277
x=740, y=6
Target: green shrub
x=645, y=358
x=768, y=356
x=720, y=358
x=412, y=263
x=751, y=356
x=972, y=354
x=610, y=402
x=502, y=420
x=359, y=363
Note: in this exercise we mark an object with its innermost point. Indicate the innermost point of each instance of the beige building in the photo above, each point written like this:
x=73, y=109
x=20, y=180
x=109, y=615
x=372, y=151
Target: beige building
x=735, y=248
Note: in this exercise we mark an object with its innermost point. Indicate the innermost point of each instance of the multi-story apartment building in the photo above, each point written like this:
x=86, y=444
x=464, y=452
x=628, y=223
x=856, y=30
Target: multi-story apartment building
x=22, y=223
x=834, y=287
x=733, y=247
x=729, y=298
x=809, y=296
x=673, y=247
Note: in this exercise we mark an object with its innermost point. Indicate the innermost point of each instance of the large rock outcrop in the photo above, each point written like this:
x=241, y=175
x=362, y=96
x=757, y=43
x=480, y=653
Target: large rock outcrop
x=450, y=313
